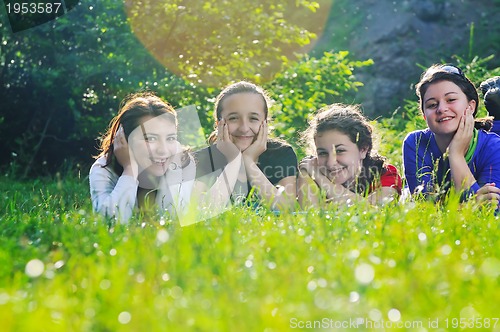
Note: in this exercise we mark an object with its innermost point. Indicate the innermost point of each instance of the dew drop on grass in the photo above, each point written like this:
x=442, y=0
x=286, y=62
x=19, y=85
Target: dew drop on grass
x=375, y=260
x=271, y=265
x=140, y=278
x=491, y=267
x=469, y=312
x=353, y=297
x=322, y=282
x=311, y=285
x=354, y=254
x=248, y=263
x=301, y=232
x=105, y=284
x=59, y=264
x=124, y=317
x=364, y=273
x=394, y=315
x=469, y=269
x=34, y=268
x=422, y=237
x=112, y=252
x=162, y=236
x=165, y=277
x=310, y=269
x=375, y=315
x=446, y=249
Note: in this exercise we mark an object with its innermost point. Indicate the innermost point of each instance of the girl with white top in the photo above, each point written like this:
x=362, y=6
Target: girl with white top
x=141, y=163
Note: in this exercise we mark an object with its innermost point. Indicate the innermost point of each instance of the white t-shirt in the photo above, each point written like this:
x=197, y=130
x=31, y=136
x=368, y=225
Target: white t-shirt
x=116, y=196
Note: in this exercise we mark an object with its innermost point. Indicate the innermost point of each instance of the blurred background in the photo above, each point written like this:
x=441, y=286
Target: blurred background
x=62, y=81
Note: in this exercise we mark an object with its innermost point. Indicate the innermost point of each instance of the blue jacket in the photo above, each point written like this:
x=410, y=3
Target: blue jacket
x=424, y=164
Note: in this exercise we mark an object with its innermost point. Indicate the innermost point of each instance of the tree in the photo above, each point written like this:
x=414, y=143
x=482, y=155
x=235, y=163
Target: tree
x=214, y=42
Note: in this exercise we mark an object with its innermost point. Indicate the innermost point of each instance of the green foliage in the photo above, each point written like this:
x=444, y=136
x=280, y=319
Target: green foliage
x=62, y=81
x=212, y=43
x=307, y=86
x=243, y=271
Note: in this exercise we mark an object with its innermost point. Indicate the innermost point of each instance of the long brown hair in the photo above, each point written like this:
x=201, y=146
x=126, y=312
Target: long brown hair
x=134, y=109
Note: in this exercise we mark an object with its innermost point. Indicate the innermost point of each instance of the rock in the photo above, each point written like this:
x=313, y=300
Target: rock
x=402, y=36
x=428, y=10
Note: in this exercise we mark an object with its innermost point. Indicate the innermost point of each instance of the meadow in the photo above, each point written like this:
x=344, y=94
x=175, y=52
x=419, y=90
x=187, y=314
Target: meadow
x=416, y=266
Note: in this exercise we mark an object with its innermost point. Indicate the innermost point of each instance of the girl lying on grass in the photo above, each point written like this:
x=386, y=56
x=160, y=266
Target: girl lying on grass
x=455, y=150
x=141, y=163
x=344, y=168
x=269, y=166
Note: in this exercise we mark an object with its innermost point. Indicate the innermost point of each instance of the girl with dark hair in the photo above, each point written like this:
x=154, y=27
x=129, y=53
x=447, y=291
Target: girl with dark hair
x=141, y=163
x=344, y=166
x=268, y=167
x=491, y=94
x=456, y=149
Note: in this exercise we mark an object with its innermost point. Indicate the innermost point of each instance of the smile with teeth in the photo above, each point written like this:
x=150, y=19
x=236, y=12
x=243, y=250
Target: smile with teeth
x=336, y=171
x=160, y=162
x=445, y=119
x=244, y=137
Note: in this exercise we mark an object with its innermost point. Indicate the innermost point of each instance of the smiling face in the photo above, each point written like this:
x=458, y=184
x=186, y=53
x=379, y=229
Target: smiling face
x=444, y=104
x=340, y=159
x=153, y=145
x=244, y=113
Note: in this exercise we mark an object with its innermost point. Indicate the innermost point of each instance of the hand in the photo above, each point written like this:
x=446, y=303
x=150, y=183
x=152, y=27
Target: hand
x=462, y=138
x=491, y=93
x=123, y=153
x=308, y=166
x=488, y=193
x=259, y=145
x=224, y=143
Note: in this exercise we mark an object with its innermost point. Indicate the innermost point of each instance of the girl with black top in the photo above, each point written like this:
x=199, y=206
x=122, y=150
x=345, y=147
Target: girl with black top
x=268, y=168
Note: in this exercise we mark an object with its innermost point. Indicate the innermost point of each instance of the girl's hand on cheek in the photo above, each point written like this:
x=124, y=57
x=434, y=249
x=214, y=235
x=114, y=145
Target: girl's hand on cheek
x=123, y=153
x=462, y=138
x=308, y=166
x=225, y=142
x=259, y=145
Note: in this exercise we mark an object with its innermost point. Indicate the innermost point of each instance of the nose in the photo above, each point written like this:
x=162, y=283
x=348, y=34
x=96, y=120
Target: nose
x=161, y=148
x=244, y=126
x=332, y=160
x=441, y=108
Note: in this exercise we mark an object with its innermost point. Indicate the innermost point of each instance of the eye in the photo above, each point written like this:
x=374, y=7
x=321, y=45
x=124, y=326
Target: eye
x=452, y=100
x=432, y=105
x=339, y=151
x=322, y=154
x=254, y=119
x=232, y=118
x=171, y=138
x=149, y=138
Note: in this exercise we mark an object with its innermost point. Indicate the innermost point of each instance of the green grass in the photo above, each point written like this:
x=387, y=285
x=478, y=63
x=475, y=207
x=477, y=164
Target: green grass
x=241, y=272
